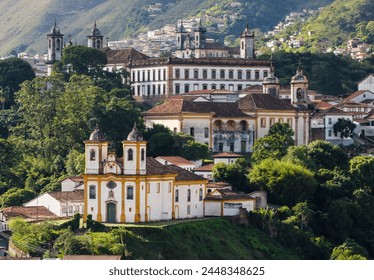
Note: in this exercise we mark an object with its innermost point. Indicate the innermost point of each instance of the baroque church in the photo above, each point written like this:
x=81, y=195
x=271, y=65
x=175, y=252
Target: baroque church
x=137, y=188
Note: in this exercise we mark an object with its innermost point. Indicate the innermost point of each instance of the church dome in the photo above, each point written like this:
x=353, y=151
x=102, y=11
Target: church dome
x=271, y=79
x=96, y=135
x=95, y=31
x=299, y=77
x=135, y=135
x=55, y=29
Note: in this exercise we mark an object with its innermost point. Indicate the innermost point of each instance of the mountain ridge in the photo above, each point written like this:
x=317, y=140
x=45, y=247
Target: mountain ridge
x=25, y=23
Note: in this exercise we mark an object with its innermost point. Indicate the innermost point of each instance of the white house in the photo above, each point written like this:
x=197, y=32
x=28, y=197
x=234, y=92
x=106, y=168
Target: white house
x=62, y=204
x=72, y=183
x=226, y=157
x=176, y=160
x=367, y=83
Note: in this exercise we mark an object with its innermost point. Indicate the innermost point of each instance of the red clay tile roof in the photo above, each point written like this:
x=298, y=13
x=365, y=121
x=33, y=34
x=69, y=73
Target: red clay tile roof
x=227, y=155
x=323, y=105
x=353, y=95
x=185, y=104
x=123, y=56
x=258, y=101
x=207, y=168
x=76, y=179
x=30, y=212
x=226, y=194
x=218, y=185
x=176, y=160
x=156, y=168
x=76, y=195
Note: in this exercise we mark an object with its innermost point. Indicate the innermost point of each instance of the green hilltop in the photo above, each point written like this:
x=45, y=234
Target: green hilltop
x=25, y=23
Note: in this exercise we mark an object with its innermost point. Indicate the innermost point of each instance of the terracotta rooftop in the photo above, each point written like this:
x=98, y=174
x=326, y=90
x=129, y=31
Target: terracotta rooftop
x=76, y=179
x=226, y=194
x=219, y=185
x=206, y=168
x=76, y=195
x=353, y=95
x=156, y=168
x=123, y=56
x=227, y=155
x=176, y=160
x=31, y=212
x=258, y=101
x=332, y=111
x=185, y=104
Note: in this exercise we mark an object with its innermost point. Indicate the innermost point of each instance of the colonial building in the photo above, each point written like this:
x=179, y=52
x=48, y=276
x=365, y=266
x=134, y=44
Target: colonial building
x=137, y=188
x=232, y=122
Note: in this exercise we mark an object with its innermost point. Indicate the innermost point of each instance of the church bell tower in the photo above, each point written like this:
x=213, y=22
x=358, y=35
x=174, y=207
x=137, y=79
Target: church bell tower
x=95, y=39
x=247, y=40
x=55, y=46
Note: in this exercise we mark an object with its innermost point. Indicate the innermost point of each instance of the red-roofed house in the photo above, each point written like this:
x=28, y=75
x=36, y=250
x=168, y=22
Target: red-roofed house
x=176, y=160
x=34, y=213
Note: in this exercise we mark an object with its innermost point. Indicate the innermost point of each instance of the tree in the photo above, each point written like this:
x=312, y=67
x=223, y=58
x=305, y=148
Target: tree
x=232, y=173
x=345, y=127
x=9, y=158
x=16, y=197
x=299, y=155
x=327, y=155
x=349, y=250
x=361, y=169
x=83, y=60
x=286, y=183
x=13, y=72
x=275, y=144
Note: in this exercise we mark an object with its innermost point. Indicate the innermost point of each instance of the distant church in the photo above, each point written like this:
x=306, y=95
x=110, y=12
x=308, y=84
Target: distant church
x=56, y=44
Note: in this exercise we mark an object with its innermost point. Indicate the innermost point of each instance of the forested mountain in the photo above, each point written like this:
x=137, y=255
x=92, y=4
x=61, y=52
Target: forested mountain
x=341, y=21
x=25, y=23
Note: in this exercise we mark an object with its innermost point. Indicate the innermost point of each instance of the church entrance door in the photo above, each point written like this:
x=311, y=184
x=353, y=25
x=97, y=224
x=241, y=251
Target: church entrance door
x=111, y=213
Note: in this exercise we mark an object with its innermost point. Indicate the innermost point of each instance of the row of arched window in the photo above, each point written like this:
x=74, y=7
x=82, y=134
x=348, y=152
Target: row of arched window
x=130, y=155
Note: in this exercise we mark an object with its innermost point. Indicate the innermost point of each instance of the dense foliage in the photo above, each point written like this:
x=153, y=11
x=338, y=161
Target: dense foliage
x=326, y=72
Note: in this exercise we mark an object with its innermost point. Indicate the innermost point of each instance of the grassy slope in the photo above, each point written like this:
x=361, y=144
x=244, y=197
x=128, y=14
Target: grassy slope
x=210, y=239
x=26, y=22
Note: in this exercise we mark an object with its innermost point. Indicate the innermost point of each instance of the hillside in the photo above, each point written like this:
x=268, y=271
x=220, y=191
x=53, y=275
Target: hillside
x=342, y=20
x=25, y=23
x=210, y=239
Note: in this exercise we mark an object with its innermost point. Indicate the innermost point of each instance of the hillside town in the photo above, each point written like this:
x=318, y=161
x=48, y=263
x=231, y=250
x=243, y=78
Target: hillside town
x=221, y=98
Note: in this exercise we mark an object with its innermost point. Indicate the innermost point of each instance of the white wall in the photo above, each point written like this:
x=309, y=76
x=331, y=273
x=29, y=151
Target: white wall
x=212, y=208
x=367, y=84
x=48, y=202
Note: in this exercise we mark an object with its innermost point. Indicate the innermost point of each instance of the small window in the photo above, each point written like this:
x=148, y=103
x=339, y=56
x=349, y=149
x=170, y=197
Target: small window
x=169, y=187
x=130, y=192
x=196, y=74
x=289, y=121
x=188, y=209
x=186, y=74
x=192, y=131
x=265, y=74
x=142, y=155
x=200, y=194
x=281, y=120
x=92, y=155
x=130, y=155
x=186, y=88
x=92, y=192
x=176, y=195
x=240, y=87
x=231, y=74
x=70, y=209
x=257, y=75
x=330, y=132
x=206, y=132
x=222, y=74
x=239, y=74
x=205, y=74
x=188, y=195
x=158, y=187
x=263, y=122
x=272, y=121
x=213, y=74
x=329, y=121
x=248, y=75
x=177, y=89
x=177, y=73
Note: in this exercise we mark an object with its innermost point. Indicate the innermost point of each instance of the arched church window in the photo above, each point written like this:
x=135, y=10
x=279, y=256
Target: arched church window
x=58, y=42
x=242, y=45
x=130, y=155
x=98, y=44
x=142, y=155
x=299, y=93
x=188, y=195
x=92, y=155
x=50, y=43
